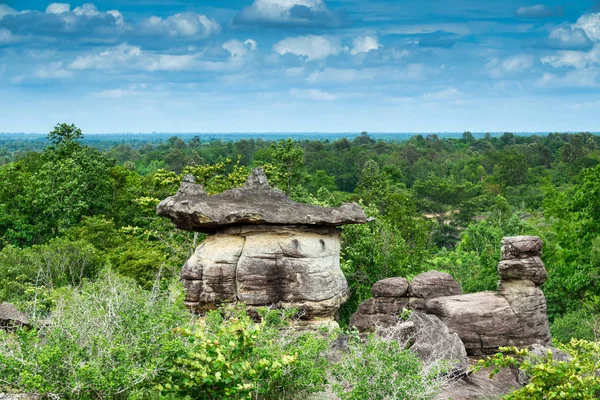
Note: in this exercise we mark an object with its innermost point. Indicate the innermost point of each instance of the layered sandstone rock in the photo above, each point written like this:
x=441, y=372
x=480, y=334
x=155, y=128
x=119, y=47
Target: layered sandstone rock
x=263, y=249
x=513, y=316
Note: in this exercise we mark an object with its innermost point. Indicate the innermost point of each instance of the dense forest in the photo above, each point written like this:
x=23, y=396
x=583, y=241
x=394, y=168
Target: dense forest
x=74, y=215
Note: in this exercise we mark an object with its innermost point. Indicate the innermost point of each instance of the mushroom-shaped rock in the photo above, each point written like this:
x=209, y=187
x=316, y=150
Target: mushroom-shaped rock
x=430, y=285
x=262, y=249
x=256, y=203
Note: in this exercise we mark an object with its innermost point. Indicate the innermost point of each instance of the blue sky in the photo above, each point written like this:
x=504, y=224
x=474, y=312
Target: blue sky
x=300, y=65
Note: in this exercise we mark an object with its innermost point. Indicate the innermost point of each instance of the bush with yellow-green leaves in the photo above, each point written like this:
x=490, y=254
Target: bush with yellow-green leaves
x=549, y=378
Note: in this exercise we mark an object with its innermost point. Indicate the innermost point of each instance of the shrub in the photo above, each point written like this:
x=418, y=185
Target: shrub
x=578, y=324
x=550, y=379
x=232, y=357
x=104, y=340
x=379, y=369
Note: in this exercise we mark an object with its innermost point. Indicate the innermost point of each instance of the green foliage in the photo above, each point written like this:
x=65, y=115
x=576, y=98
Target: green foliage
x=64, y=134
x=549, y=378
x=108, y=339
x=577, y=324
x=59, y=263
x=381, y=369
x=233, y=357
x=372, y=252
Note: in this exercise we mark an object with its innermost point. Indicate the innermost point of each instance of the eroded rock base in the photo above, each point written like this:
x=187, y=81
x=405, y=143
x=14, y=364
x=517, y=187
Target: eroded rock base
x=283, y=266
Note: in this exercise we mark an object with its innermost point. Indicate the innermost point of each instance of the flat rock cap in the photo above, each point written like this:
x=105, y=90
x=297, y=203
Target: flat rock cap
x=256, y=203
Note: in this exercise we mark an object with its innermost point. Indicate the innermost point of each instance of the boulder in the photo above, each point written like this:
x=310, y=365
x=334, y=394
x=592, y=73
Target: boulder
x=515, y=247
x=377, y=313
x=479, y=385
x=256, y=203
x=430, y=285
x=437, y=346
x=484, y=321
x=390, y=287
x=11, y=318
x=265, y=265
x=262, y=249
x=530, y=268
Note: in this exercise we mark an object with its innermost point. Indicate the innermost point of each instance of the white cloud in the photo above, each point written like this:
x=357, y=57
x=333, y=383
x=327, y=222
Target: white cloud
x=536, y=11
x=590, y=23
x=341, y=75
x=239, y=49
x=288, y=12
x=182, y=25
x=58, y=8
x=125, y=56
x=350, y=75
x=312, y=94
x=312, y=47
x=499, y=68
x=133, y=90
x=54, y=70
x=128, y=57
x=6, y=10
x=6, y=37
x=446, y=94
x=569, y=38
x=573, y=78
x=365, y=44
x=459, y=29
x=575, y=59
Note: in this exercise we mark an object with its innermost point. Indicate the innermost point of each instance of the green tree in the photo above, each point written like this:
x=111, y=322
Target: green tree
x=64, y=134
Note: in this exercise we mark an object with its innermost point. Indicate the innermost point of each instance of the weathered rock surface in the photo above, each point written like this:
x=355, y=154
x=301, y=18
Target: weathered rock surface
x=378, y=312
x=516, y=247
x=390, y=287
x=265, y=265
x=256, y=203
x=513, y=316
x=479, y=386
x=11, y=318
x=436, y=346
x=430, y=285
x=484, y=321
x=530, y=268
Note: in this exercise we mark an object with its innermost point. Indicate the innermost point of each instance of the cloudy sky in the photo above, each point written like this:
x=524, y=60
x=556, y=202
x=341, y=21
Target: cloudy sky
x=300, y=65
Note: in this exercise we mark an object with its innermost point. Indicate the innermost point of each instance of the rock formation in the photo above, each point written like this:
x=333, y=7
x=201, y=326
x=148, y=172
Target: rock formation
x=11, y=318
x=513, y=316
x=262, y=249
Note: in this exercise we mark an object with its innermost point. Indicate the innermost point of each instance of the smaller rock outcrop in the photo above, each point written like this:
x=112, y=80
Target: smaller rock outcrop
x=424, y=334
x=11, y=318
x=515, y=315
